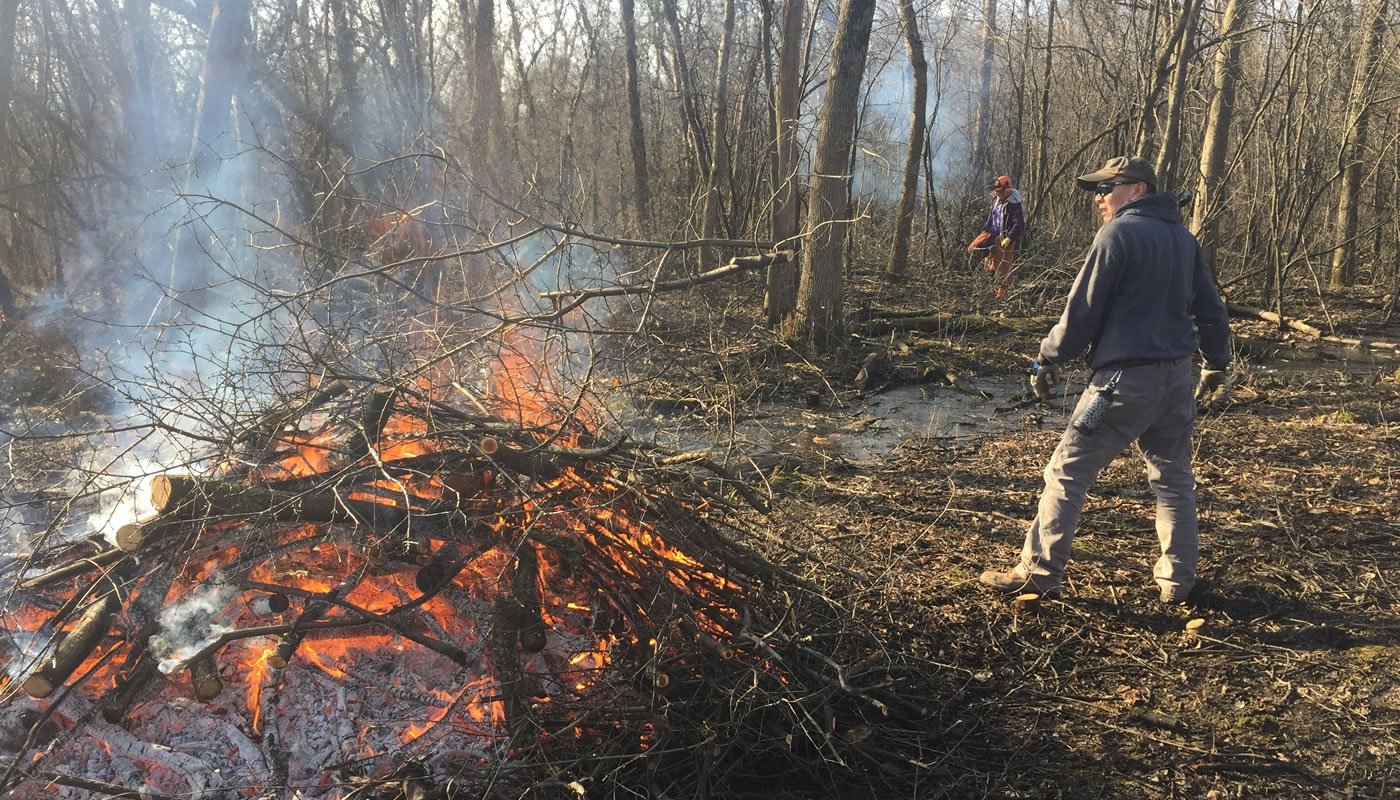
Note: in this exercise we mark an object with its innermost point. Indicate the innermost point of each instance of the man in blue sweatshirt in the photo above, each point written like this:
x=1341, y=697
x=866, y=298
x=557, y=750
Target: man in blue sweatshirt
x=1142, y=305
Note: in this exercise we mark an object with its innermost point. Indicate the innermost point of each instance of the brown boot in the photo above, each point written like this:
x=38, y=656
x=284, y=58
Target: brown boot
x=1015, y=581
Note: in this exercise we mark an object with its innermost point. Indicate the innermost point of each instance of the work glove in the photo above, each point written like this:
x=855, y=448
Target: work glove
x=1214, y=386
x=1042, y=377
x=1005, y=242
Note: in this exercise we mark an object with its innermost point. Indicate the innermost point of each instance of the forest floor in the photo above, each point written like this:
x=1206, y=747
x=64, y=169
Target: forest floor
x=1289, y=688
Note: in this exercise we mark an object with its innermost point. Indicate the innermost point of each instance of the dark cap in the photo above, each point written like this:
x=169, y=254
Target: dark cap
x=1134, y=169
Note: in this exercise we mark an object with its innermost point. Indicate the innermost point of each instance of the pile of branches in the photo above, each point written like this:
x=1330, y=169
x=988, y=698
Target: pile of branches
x=732, y=673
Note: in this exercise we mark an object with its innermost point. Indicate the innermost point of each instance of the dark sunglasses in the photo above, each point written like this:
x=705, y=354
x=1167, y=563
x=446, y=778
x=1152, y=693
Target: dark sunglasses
x=1105, y=188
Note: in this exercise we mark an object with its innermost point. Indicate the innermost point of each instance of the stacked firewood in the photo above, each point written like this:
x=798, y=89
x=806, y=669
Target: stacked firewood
x=562, y=532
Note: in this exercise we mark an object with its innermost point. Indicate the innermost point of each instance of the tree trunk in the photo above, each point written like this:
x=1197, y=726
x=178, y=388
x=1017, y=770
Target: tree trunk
x=142, y=107
x=1176, y=100
x=898, y=268
x=984, y=97
x=1018, y=151
x=1042, y=143
x=719, y=143
x=7, y=297
x=641, y=182
x=348, y=68
x=818, y=322
x=1216, y=143
x=685, y=86
x=486, y=116
x=781, y=296
x=224, y=65
x=1147, y=123
x=212, y=138
x=9, y=14
x=1354, y=150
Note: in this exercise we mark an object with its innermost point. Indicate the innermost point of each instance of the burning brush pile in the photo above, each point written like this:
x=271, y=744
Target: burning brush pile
x=379, y=593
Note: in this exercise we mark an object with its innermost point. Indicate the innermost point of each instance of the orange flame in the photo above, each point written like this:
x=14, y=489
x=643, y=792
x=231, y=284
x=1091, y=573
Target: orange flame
x=257, y=673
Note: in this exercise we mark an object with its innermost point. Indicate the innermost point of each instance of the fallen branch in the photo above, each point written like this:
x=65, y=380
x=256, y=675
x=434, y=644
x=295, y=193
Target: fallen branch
x=1374, y=347
x=735, y=266
x=946, y=324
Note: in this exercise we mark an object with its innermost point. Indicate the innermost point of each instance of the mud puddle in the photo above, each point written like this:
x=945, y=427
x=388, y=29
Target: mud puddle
x=862, y=428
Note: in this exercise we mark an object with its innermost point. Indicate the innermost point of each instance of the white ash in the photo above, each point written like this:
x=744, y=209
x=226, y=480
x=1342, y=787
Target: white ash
x=389, y=688
x=189, y=626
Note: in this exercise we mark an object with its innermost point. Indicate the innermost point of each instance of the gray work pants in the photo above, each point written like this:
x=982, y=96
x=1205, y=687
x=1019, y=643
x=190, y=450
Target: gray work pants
x=1153, y=406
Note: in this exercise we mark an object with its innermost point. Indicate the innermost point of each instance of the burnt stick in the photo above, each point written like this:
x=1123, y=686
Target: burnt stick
x=129, y=686
x=79, y=567
x=365, y=617
x=314, y=610
x=187, y=497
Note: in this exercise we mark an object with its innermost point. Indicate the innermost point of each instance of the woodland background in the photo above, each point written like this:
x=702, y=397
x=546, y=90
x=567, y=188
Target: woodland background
x=865, y=133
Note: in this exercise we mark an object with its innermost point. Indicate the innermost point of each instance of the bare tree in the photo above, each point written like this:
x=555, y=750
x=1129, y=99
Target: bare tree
x=781, y=296
x=685, y=86
x=1176, y=98
x=9, y=12
x=211, y=140
x=1354, y=148
x=719, y=144
x=1216, y=142
x=1042, y=142
x=984, y=94
x=486, y=113
x=897, y=269
x=818, y=321
x=641, y=182
x=1167, y=57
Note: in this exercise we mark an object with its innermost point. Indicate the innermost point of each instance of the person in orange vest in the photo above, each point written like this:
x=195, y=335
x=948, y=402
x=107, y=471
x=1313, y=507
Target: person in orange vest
x=997, y=241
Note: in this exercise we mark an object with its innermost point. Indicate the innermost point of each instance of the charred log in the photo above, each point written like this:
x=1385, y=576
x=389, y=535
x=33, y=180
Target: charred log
x=525, y=590
x=75, y=646
x=185, y=497
x=72, y=569
x=132, y=536
x=444, y=566
x=204, y=678
x=375, y=415
x=130, y=683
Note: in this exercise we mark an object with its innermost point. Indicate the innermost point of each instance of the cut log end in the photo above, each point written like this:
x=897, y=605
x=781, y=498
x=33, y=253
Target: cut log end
x=162, y=492
x=1026, y=602
x=533, y=640
x=39, y=686
x=130, y=537
x=204, y=679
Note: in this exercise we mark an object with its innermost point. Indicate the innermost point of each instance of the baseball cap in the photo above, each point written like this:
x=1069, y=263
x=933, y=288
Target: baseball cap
x=1132, y=168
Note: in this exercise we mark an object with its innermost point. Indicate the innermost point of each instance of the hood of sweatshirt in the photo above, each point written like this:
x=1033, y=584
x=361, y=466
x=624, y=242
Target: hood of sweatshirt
x=1162, y=205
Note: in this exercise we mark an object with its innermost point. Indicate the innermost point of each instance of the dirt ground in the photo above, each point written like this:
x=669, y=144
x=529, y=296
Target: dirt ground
x=1289, y=687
